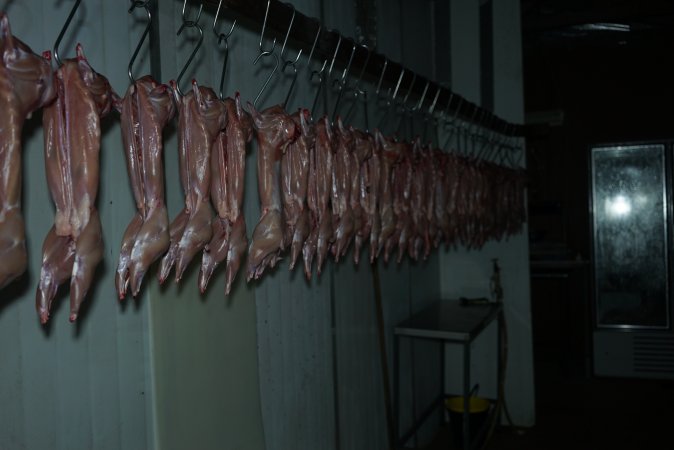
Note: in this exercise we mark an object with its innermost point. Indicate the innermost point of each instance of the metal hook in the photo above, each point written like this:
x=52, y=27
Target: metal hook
x=381, y=78
x=334, y=56
x=184, y=15
x=347, y=69
x=391, y=100
x=446, y=110
x=468, y=130
x=313, y=47
x=422, y=98
x=264, y=27
x=290, y=27
x=189, y=24
x=271, y=75
x=289, y=62
x=223, y=37
x=292, y=83
x=403, y=103
x=139, y=4
x=496, y=141
x=63, y=32
x=487, y=149
x=452, y=120
x=409, y=90
x=431, y=109
x=429, y=114
x=357, y=91
x=263, y=53
x=342, y=82
x=356, y=87
x=400, y=79
x=319, y=74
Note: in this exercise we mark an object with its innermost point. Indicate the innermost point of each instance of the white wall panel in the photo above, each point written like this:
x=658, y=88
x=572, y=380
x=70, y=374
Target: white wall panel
x=204, y=351
x=465, y=48
x=293, y=317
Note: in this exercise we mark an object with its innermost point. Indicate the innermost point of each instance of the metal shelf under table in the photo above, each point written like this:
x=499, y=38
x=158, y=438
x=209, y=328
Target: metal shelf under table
x=446, y=321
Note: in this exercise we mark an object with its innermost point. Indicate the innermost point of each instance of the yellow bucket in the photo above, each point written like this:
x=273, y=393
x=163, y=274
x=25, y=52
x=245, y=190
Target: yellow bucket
x=478, y=409
x=475, y=404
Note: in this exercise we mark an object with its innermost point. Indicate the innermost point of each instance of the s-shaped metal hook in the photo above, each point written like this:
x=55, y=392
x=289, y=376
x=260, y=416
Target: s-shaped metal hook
x=57, y=57
x=187, y=23
x=264, y=53
x=139, y=4
x=223, y=37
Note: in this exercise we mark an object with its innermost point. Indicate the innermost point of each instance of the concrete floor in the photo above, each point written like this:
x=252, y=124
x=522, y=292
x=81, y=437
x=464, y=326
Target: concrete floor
x=582, y=412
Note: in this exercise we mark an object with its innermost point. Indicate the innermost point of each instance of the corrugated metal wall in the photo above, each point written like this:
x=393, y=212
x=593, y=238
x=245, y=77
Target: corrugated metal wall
x=204, y=351
x=86, y=385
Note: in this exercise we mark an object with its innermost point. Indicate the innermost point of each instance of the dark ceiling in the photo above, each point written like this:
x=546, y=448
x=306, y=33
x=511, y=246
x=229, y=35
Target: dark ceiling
x=603, y=23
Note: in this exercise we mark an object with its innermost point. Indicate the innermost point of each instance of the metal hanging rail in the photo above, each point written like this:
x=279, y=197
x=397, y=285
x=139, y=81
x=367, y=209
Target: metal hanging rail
x=305, y=30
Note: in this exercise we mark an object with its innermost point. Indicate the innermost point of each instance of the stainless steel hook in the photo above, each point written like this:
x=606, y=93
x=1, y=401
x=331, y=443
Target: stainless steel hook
x=381, y=78
x=319, y=74
x=429, y=114
x=391, y=100
x=452, y=120
x=356, y=87
x=57, y=57
x=264, y=53
x=431, y=109
x=409, y=90
x=334, y=56
x=264, y=27
x=223, y=37
x=446, y=110
x=311, y=52
x=342, y=82
x=139, y=4
x=358, y=92
x=189, y=24
x=290, y=27
x=403, y=103
x=400, y=79
x=289, y=63
x=422, y=98
x=271, y=75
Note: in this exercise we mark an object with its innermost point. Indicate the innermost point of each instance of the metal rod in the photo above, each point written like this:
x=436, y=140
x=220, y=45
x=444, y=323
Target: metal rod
x=305, y=31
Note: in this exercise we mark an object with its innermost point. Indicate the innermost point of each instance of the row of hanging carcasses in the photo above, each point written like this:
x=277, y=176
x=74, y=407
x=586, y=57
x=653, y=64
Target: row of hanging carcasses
x=322, y=186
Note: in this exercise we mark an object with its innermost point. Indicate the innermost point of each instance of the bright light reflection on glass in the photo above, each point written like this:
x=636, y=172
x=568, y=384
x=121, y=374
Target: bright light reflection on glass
x=618, y=206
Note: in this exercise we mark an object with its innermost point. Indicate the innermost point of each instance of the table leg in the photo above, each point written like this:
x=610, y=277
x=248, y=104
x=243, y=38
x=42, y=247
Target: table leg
x=396, y=364
x=443, y=387
x=499, y=366
x=466, y=396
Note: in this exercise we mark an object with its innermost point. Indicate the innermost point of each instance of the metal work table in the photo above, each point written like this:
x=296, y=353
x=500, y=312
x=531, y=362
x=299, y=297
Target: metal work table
x=445, y=322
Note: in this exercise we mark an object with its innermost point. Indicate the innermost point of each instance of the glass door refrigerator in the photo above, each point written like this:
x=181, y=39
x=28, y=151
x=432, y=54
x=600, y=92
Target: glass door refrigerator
x=630, y=205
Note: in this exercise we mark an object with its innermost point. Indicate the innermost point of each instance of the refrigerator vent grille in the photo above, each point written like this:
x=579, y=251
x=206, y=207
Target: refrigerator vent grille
x=654, y=354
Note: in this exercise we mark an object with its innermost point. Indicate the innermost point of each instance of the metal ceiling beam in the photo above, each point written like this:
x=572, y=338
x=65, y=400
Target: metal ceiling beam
x=304, y=31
